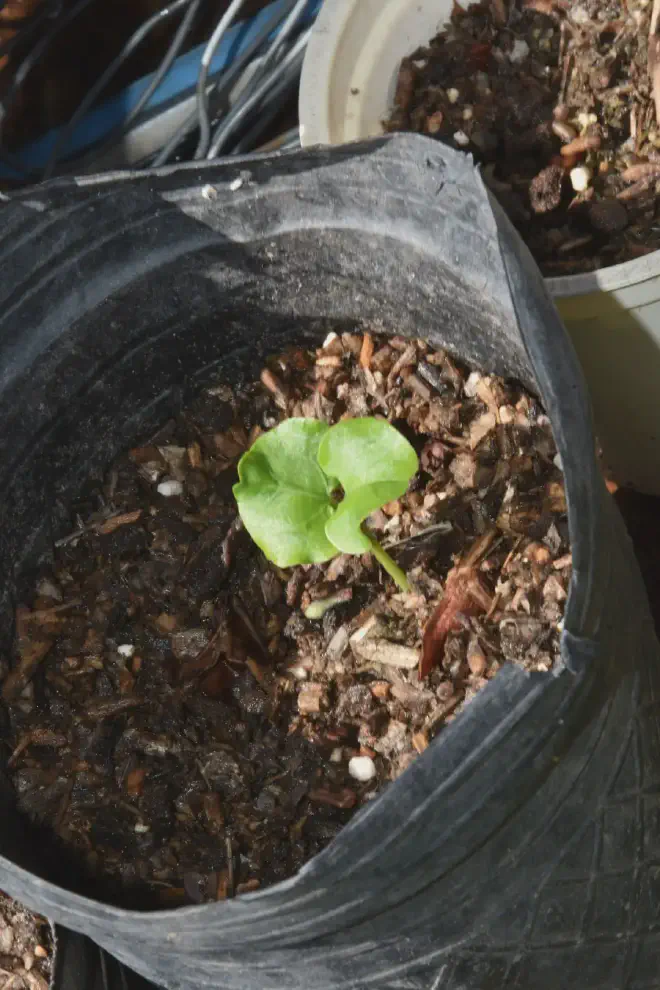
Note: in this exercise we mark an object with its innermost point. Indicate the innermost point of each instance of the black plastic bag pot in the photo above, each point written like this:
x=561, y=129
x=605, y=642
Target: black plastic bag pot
x=522, y=849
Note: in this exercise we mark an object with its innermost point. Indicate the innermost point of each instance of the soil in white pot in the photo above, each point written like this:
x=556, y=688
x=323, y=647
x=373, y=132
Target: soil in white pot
x=25, y=948
x=195, y=722
x=555, y=99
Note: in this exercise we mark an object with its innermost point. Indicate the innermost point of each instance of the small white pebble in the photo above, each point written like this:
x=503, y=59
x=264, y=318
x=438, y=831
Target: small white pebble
x=461, y=139
x=471, y=383
x=126, y=650
x=337, y=755
x=581, y=178
x=580, y=15
x=209, y=192
x=362, y=768
x=235, y=185
x=519, y=50
x=468, y=113
x=298, y=672
x=453, y=95
x=557, y=462
x=141, y=828
x=169, y=488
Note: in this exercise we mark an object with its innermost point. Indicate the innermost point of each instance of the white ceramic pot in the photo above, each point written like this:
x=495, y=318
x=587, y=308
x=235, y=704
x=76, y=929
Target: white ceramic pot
x=347, y=88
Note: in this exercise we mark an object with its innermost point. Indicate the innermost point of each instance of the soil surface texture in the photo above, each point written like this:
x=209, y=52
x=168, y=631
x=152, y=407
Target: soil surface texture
x=25, y=948
x=559, y=100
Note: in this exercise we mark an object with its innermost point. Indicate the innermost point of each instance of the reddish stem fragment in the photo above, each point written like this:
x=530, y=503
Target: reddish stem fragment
x=465, y=594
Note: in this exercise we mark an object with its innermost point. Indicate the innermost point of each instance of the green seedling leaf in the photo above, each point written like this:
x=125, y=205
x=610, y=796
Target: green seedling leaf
x=373, y=463
x=283, y=495
x=288, y=484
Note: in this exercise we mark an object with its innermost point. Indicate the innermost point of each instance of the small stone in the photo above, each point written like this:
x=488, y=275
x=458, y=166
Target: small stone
x=189, y=643
x=468, y=113
x=453, y=95
x=519, y=51
x=6, y=939
x=461, y=139
x=40, y=952
x=608, y=216
x=337, y=755
x=581, y=177
x=434, y=122
x=311, y=699
x=464, y=470
x=170, y=488
x=545, y=189
x=362, y=768
x=126, y=650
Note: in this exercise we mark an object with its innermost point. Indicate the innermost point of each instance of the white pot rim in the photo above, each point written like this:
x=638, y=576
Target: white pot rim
x=315, y=128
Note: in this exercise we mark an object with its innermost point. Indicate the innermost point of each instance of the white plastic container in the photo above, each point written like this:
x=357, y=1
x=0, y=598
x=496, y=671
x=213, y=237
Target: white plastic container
x=347, y=89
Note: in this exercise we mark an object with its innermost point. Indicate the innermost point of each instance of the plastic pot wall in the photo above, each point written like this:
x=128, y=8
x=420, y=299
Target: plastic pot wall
x=613, y=315
x=525, y=842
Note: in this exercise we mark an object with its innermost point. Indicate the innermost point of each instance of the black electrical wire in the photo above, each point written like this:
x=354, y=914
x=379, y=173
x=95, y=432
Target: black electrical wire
x=32, y=59
x=221, y=84
x=202, y=78
x=268, y=112
x=281, y=86
x=170, y=57
x=93, y=93
x=294, y=57
x=279, y=45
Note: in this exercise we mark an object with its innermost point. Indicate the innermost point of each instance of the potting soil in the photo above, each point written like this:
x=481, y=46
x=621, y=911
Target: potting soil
x=555, y=98
x=179, y=721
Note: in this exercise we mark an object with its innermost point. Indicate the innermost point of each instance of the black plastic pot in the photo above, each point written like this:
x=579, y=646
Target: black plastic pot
x=522, y=849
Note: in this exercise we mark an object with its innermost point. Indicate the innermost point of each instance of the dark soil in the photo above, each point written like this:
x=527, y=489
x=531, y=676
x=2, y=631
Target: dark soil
x=177, y=718
x=554, y=99
x=25, y=948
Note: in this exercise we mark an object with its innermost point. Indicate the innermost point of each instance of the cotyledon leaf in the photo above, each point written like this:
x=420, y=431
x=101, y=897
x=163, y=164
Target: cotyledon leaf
x=284, y=496
x=373, y=463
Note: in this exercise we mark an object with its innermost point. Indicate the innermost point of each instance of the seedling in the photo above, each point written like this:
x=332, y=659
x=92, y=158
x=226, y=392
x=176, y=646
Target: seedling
x=305, y=488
